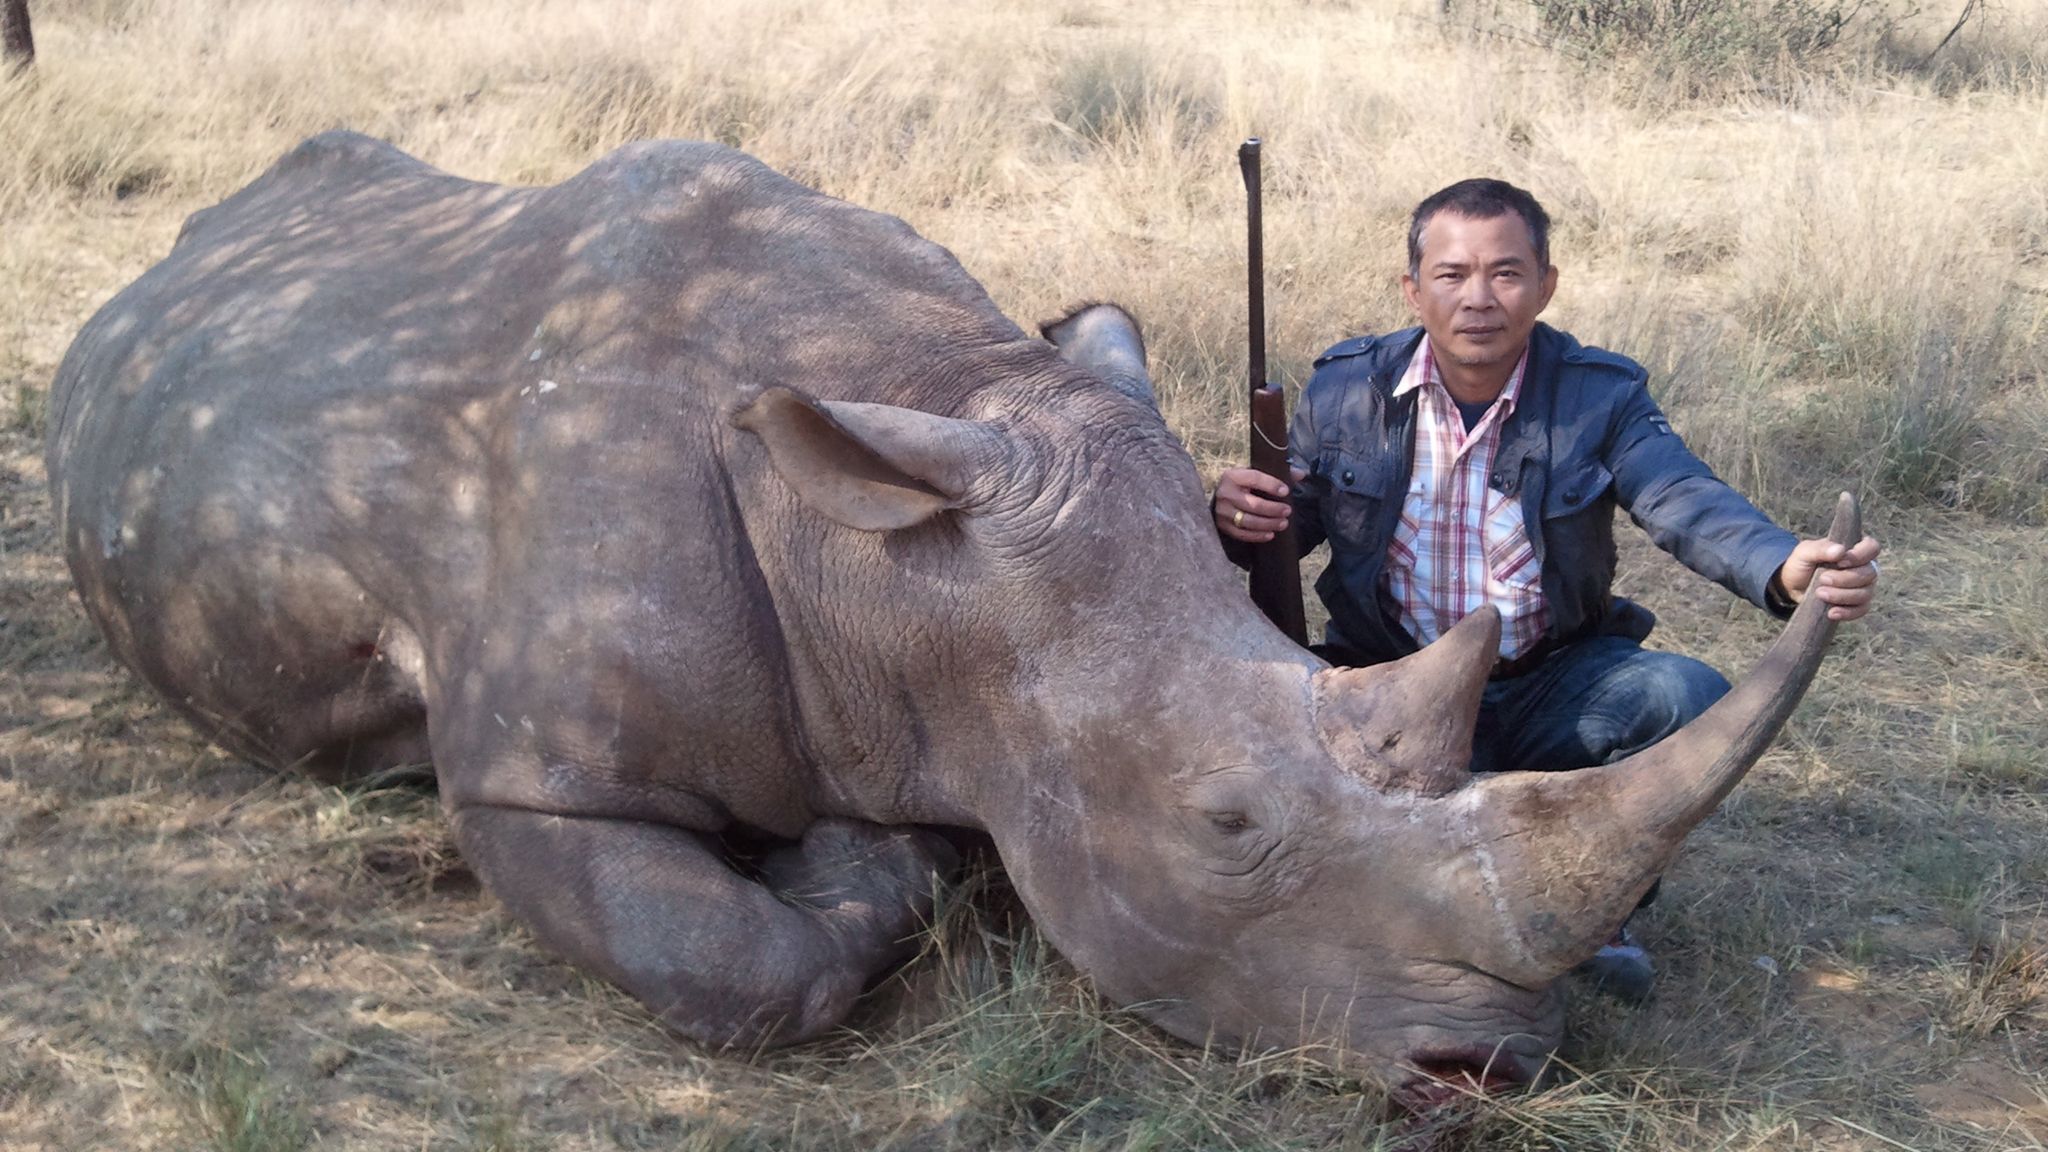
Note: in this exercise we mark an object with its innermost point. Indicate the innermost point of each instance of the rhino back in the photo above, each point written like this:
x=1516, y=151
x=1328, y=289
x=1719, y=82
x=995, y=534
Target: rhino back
x=365, y=406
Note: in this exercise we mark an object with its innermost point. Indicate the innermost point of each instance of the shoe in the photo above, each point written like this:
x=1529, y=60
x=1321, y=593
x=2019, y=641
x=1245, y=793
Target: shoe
x=1621, y=968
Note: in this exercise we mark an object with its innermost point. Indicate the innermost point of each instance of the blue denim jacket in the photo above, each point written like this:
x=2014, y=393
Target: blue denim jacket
x=1585, y=437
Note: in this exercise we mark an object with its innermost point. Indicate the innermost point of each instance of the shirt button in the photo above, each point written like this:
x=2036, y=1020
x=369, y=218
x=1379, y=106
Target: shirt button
x=1347, y=477
x=1571, y=495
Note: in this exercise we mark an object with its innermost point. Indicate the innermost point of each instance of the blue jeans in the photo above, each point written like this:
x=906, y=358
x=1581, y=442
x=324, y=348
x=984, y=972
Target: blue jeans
x=1592, y=702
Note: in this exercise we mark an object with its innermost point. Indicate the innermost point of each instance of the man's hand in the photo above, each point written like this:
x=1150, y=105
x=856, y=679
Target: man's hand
x=1252, y=506
x=1845, y=579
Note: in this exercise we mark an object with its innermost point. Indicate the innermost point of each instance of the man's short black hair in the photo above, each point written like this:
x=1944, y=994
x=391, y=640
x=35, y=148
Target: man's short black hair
x=1481, y=199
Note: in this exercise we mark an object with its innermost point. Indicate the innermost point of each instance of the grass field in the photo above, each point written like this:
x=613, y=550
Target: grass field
x=1836, y=261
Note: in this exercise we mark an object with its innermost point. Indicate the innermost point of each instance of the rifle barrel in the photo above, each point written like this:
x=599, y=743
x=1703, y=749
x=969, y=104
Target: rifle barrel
x=1255, y=262
x=1276, y=566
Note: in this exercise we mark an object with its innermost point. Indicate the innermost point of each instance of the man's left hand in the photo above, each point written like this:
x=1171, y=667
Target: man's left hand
x=1845, y=579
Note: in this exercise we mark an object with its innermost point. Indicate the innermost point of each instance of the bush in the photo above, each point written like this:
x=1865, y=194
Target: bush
x=1694, y=48
x=1701, y=35
x=1117, y=94
x=30, y=412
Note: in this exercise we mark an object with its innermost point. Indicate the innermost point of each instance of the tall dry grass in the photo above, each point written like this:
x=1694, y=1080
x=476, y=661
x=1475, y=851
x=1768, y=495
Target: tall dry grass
x=1861, y=238
x=1839, y=275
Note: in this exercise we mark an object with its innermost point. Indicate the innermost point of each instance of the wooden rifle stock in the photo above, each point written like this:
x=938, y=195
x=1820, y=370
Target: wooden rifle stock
x=1276, y=565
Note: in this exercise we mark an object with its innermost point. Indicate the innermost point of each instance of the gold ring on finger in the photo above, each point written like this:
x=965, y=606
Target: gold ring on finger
x=1237, y=519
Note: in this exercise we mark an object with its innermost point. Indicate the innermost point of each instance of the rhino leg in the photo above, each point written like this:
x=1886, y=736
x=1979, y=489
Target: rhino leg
x=724, y=959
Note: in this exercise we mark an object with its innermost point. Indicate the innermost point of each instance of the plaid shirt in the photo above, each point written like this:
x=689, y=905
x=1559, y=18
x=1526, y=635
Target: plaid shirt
x=1460, y=543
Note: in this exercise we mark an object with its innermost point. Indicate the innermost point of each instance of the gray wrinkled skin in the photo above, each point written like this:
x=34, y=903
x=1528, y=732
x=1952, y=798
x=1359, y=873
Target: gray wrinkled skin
x=678, y=498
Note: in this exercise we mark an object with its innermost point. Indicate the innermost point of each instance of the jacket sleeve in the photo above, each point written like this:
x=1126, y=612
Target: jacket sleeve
x=1687, y=510
x=1308, y=511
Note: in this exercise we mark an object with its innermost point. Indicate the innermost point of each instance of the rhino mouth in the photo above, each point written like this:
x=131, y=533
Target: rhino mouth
x=1444, y=1075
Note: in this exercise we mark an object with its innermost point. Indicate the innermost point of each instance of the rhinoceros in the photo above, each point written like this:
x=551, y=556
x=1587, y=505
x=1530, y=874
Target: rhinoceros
x=679, y=501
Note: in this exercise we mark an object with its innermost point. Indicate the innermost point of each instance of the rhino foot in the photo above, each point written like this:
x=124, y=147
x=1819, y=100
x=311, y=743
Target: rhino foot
x=718, y=956
x=873, y=886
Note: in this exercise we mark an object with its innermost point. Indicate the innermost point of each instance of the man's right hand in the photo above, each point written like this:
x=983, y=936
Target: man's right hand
x=1252, y=506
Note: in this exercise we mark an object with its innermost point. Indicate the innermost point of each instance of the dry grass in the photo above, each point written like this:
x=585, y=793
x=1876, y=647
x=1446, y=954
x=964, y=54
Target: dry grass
x=1841, y=278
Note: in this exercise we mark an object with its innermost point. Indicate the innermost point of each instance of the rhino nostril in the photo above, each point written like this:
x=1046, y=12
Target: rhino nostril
x=1392, y=739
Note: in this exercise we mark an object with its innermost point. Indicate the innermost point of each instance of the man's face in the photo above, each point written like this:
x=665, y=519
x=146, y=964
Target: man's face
x=1478, y=289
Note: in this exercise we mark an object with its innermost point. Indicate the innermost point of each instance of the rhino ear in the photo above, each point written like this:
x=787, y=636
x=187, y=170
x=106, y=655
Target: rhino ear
x=1104, y=339
x=874, y=467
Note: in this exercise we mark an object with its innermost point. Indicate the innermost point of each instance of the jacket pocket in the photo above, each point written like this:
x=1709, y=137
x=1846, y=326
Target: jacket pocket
x=1358, y=492
x=1578, y=533
x=1572, y=492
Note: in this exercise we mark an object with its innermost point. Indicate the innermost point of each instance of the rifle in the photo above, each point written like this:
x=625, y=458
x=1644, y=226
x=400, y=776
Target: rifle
x=1276, y=565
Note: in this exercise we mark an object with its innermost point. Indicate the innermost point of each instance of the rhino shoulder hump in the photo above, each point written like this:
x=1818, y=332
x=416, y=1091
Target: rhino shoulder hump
x=679, y=166
x=340, y=158
x=324, y=165
x=340, y=146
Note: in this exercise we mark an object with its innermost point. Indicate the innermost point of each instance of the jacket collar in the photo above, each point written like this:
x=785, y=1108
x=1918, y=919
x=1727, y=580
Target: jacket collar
x=1389, y=355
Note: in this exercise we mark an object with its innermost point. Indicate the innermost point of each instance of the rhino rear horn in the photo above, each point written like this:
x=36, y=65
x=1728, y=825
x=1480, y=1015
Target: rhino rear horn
x=1408, y=724
x=1104, y=339
x=873, y=467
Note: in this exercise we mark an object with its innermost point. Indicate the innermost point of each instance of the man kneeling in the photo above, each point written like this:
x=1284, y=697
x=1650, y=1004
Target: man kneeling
x=1478, y=459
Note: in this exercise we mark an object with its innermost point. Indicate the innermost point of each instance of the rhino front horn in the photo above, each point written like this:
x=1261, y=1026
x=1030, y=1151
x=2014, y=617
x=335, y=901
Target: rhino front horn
x=1575, y=851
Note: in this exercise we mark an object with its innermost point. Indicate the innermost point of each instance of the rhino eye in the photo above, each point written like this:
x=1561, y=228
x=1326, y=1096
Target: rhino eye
x=1232, y=822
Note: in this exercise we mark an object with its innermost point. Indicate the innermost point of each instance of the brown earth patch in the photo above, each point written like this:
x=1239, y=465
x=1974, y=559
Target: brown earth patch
x=1867, y=1024
x=1989, y=1097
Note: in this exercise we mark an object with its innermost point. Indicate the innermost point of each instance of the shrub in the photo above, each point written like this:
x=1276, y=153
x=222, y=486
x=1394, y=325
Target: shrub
x=30, y=412
x=1701, y=35
x=1930, y=403
x=1120, y=93
x=1694, y=48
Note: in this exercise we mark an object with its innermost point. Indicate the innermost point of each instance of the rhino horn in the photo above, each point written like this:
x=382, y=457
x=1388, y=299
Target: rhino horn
x=1407, y=725
x=1573, y=852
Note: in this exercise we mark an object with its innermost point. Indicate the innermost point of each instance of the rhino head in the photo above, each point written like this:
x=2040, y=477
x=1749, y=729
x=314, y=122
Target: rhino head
x=1252, y=848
